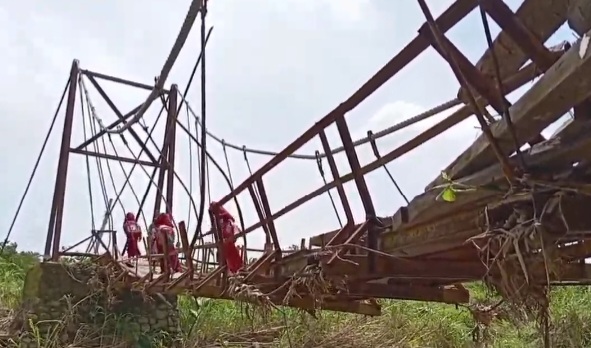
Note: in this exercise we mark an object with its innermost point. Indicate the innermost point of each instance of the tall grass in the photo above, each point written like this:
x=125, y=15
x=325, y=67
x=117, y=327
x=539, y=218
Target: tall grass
x=403, y=323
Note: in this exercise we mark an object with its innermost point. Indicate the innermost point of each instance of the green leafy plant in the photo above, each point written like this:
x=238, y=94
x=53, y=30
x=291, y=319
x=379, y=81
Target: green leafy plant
x=450, y=189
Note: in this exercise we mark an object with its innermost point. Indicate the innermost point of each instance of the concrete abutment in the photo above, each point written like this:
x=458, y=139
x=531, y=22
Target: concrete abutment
x=68, y=302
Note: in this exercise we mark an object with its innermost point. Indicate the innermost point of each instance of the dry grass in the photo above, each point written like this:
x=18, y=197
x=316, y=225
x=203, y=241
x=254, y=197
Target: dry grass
x=208, y=323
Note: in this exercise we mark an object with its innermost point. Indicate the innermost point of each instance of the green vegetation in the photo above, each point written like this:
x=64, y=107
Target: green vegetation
x=403, y=324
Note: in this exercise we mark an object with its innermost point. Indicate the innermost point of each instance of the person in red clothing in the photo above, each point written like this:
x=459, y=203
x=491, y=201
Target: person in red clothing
x=226, y=222
x=165, y=227
x=133, y=232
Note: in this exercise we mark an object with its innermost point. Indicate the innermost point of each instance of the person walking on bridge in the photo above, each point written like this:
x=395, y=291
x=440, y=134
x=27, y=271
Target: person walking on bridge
x=228, y=228
x=133, y=233
x=165, y=238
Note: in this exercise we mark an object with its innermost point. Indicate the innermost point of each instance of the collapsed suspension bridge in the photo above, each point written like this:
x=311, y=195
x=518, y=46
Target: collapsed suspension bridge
x=511, y=210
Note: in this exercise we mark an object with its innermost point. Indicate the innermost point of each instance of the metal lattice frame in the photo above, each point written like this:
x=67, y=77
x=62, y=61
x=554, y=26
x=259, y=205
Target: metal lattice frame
x=371, y=249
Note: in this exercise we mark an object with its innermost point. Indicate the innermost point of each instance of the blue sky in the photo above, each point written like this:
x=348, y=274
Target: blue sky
x=273, y=69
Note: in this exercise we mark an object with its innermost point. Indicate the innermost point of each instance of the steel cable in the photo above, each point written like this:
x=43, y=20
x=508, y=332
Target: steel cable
x=204, y=125
x=125, y=174
x=384, y=132
x=149, y=135
x=332, y=202
x=87, y=158
x=376, y=152
x=186, y=91
x=35, y=167
x=91, y=110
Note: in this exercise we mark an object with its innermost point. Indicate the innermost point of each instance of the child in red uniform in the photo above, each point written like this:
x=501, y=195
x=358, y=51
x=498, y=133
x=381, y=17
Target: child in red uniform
x=165, y=227
x=226, y=222
x=133, y=232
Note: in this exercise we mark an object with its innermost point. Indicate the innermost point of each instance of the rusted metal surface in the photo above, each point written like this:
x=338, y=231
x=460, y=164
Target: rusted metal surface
x=334, y=170
x=172, y=116
x=429, y=247
x=541, y=17
x=114, y=158
x=522, y=36
x=120, y=80
x=54, y=230
x=118, y=113
x=579, y=16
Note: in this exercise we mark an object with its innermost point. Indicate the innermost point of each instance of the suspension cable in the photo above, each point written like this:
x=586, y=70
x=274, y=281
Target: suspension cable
x=155, y=171
x=376, y=153
x=209, y=157
x=151, y=139
x=321, y=171
x=187, y=87
x=91, y=110
x=227, y=163
x=149, y=133
x=22, y=200
x=203, y=115
x=257, y=197
x=255, y=188
x=208, y=178
x=125, y=174
x=110, y=173
x=199, y=159
x=94, y=115
x=127, y=180
x=384, y=132
x=87, y=157
x=190, y=168
x=175, y=174
x=151, y=177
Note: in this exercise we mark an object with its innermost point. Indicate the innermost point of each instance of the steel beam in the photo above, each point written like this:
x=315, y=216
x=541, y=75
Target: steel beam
x=54, y=229
x=172, y=115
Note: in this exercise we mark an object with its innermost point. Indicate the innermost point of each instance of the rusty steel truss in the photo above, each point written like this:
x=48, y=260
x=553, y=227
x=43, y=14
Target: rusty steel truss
x=426, y=250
